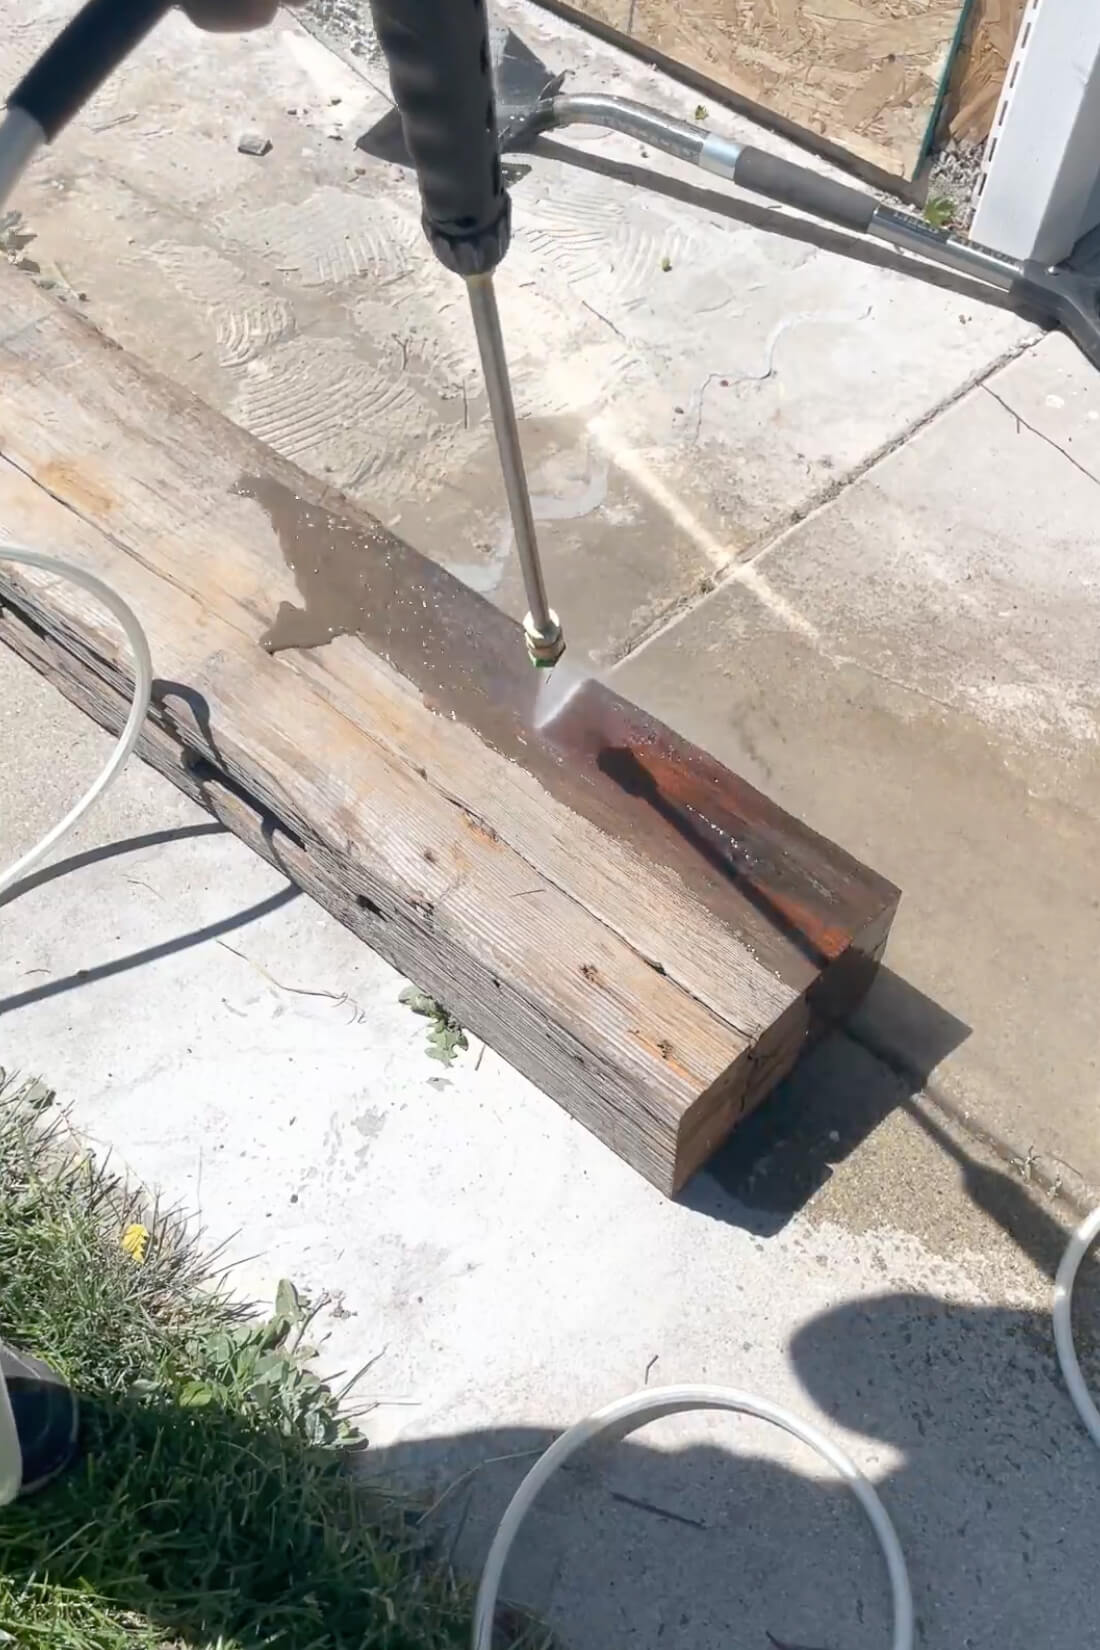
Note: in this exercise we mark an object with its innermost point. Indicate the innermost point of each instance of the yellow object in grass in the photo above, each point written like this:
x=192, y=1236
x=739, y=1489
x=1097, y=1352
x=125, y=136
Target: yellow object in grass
x=135, y=1241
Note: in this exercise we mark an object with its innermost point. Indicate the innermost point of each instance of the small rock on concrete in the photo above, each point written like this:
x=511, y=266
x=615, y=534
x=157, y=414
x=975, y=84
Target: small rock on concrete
x=253, y=143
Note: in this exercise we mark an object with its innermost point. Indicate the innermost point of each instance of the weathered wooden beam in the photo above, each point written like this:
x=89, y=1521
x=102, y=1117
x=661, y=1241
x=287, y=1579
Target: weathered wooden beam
x=642, y=933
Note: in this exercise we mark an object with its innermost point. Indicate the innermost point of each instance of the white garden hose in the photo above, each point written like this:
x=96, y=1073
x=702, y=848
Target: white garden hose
x=653, y=1402
x=139, y=705
x=1076, y=1250
x=20, y=138
x=649, y=1405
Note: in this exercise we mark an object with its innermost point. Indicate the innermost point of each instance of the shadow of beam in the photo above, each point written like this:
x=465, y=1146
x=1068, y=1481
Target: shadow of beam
x=835, y=1097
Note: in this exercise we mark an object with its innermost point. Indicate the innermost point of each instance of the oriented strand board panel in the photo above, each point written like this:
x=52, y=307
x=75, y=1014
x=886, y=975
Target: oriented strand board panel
x=639, y=931
x=863, y=75
x=980, y=67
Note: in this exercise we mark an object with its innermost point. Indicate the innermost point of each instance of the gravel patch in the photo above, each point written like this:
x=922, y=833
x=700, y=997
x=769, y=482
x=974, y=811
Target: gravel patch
x=348, y=24
x=953, y=179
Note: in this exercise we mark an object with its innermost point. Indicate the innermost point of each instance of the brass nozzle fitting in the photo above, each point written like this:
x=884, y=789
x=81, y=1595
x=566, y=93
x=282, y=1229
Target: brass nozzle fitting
x=544, y=647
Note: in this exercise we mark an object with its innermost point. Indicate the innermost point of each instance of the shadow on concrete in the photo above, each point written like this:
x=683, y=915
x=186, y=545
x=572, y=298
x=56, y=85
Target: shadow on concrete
x=152, y=953
x=220, y=1531
x=772, y=220
x=836, y=1096
x=1001, y=1195
x=107, y=850
x=522, y=79
x=956, y=1411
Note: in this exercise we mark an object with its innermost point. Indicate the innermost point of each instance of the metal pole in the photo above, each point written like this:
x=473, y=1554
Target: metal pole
x=544, y=636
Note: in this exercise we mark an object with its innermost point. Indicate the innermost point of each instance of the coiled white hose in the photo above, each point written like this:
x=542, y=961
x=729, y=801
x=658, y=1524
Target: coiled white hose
x=649, y=1405
x=1076, y=1250
x=139, y=705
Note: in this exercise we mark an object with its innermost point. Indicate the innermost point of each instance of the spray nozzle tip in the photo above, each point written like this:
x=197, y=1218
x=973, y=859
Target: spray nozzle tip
x=545, y=644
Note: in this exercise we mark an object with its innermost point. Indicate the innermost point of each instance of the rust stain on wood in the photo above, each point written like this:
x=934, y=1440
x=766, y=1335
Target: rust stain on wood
x=479, y=829
x=616, y=846
x=70, y=481
x=793, y=898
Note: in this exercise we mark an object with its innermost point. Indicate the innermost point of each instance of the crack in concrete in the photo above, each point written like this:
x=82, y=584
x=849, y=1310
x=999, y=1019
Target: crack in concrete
x=1022, y=423
x=896, y=682
x=735, y=378
x=600, y=316
x=682, y=607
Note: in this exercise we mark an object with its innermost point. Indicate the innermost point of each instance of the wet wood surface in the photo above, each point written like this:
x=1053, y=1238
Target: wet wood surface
x=638, y=930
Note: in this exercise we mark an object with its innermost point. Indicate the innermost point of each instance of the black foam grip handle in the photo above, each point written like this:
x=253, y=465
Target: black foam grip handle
x=437, y=52
x=796, y=186
x=85, y=53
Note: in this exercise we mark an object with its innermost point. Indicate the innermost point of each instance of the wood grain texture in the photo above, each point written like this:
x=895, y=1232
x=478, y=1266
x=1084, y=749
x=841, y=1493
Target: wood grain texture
x=865, y=75
x=640, y=932
x=979, y=70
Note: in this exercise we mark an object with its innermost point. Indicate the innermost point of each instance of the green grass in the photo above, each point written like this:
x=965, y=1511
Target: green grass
x=218, y=1502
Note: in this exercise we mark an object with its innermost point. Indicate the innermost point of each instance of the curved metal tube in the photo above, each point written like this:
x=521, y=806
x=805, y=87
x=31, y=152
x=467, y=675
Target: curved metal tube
x=1058, y=296
x=617, y=114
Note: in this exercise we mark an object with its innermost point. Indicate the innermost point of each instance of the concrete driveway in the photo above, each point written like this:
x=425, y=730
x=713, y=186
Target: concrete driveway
x=834, y=522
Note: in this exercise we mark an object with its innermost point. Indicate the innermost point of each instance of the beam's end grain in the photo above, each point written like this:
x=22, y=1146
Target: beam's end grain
x=829, y=1001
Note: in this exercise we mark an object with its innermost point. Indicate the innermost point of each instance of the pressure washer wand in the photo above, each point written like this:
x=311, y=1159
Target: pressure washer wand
x=438, y=56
